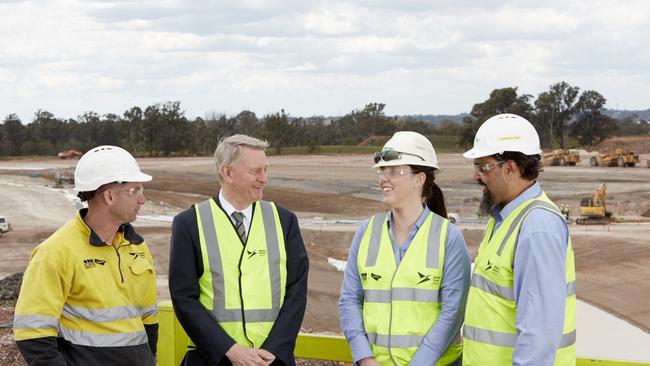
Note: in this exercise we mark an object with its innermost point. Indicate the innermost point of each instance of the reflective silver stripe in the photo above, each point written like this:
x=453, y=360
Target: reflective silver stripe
x=483, y=283
x=521, y=215
x=273, y=255
x=433, y=251
x=395, y=340
x=219, y=311
x=400, y=294
x=35, y=321
x=507, y=339
x=103, y=315
x=571, y=288
x=489, y=336
x=216, y=268
x=149, y=311
x=375, y=239
x=91, y=339
x=568, y=339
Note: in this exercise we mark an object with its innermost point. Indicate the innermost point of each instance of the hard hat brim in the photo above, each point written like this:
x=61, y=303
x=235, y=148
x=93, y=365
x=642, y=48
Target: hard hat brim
x=404, y=160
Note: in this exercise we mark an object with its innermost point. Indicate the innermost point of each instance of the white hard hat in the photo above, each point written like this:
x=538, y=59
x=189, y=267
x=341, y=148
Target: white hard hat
x=106, y=164
x=505, y=132
x=407, y=148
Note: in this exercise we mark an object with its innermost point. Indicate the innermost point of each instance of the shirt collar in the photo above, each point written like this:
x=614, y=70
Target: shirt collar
x=229, y=208
x=531, y=192
x=93, y=239
x=419, y=221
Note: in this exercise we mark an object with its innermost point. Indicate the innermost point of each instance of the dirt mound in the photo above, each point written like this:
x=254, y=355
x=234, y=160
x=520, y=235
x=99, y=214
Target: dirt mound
x=638, y=144
x=10, y=286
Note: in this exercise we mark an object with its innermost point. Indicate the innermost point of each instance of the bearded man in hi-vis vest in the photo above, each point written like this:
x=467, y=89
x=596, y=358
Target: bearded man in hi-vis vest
x=521, y=303
x=238, y=267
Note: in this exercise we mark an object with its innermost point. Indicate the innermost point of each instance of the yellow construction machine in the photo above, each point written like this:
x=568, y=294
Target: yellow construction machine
x=620, y=158
x=561, y=157
x=593, y=210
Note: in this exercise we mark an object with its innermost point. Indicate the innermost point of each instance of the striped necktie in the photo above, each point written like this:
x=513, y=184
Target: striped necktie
x=239, y=225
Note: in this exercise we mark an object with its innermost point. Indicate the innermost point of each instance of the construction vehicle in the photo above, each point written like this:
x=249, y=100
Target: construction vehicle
x=620, y=158
x=593, y=210
x=63, y=176
x=5, y=226
x=70, y=154
x=561, y=157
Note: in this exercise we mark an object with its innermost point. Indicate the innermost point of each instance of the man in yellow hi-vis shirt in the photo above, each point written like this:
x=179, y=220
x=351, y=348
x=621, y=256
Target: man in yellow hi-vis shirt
x=89, y=292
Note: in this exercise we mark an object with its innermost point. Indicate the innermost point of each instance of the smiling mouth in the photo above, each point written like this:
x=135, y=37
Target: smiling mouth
x=387, y=189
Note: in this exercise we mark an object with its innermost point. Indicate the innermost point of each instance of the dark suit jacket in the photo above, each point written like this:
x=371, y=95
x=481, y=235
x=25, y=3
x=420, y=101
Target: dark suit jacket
x=185, y=268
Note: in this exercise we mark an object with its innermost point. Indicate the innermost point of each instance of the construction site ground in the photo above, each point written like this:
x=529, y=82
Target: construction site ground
x=331, y=194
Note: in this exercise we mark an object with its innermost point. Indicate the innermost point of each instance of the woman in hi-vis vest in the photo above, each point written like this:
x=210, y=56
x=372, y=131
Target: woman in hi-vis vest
x=407, y=276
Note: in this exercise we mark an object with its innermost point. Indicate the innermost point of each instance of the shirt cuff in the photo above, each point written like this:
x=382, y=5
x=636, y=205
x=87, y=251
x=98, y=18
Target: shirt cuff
x=360, y=348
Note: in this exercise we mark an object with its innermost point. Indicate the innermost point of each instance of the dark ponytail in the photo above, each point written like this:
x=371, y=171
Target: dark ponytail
x=431, y=191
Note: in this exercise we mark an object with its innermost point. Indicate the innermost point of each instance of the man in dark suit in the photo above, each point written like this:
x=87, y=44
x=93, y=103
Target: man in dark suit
x=238, y=267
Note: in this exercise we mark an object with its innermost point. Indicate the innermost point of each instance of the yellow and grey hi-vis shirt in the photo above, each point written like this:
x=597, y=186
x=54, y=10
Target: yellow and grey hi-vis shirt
x=85, y=302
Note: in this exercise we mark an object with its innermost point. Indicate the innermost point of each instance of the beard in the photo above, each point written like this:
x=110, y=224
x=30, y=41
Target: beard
x=487, y=203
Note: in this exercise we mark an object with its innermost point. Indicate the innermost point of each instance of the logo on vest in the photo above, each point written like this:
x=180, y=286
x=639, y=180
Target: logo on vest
x=374, y=276
x=364, y=276
x=137, y=255
x=424, y=278
x=90, y=263
x=490, y=267
x=259, y=252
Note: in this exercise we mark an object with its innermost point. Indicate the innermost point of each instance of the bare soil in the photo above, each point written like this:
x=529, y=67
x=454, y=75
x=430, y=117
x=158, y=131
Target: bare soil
x=612, y=261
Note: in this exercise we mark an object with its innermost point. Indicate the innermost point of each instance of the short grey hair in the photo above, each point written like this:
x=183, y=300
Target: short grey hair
x=227, y=152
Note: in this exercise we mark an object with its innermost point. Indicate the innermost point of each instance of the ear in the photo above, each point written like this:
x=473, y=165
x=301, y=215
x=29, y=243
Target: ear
x=511, y=168
x=226, y=172
x=107, y=197
x=420, y=179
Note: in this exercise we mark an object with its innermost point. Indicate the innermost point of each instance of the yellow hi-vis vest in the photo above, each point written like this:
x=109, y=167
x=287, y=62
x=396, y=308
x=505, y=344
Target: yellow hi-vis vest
x=490, y=333
x=243, y=286
x=402, y=303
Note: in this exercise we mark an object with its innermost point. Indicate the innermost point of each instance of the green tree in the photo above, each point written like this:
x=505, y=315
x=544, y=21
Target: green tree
x=555, y=109
x=277, y=130
x=591, y=125
x=504, y=100
x=13, y=135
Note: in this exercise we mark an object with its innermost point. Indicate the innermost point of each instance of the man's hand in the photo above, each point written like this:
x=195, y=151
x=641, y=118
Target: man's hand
x=267, y=356
x=244, y=356
x=368, y=361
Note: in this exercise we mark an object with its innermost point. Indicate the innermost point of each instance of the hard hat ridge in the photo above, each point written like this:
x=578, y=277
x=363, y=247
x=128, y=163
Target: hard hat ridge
x=407, y=148
x=505, y=132
x=106, y=164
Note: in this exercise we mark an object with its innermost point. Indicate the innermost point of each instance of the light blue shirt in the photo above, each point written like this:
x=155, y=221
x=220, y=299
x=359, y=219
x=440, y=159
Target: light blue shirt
x=540, y=284
x=453, y=295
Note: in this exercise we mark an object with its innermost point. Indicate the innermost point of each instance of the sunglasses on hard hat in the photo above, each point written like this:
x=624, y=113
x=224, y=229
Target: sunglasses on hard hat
x=388, y=155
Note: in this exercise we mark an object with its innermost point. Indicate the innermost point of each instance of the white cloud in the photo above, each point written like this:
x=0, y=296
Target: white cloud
x=314, y=57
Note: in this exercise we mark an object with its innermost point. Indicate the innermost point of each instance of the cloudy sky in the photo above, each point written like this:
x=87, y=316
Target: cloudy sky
x=314, y=57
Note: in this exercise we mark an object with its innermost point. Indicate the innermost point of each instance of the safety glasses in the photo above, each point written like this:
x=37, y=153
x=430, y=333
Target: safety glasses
x=482, y=169
x=389, y=154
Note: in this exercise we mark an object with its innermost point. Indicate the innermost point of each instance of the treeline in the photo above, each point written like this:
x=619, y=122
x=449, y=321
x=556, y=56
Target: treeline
x=162, y=129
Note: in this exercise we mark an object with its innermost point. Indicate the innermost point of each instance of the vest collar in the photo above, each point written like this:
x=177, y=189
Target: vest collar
x=93, y=239
x=229, y=208
x=499, y=213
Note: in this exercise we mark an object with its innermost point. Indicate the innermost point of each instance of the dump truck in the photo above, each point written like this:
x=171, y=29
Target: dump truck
x=561, y=157
x=620, y=158
x=70, y=154
x=593, y=210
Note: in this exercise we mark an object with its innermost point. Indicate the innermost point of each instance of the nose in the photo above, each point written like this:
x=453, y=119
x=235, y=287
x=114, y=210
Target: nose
x=263, y=177
x=141, y=199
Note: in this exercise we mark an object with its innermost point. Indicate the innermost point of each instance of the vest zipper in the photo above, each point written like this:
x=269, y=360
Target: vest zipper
x=119, y=262
x=241, y=296
x=390, y=319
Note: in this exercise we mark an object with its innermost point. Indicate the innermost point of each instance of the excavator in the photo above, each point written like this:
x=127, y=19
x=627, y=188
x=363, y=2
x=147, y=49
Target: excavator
x=593, y=210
